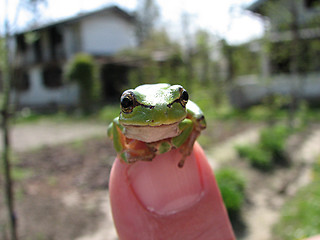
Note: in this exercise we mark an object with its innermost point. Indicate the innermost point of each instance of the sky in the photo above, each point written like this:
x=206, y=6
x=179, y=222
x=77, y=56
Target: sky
x=223, y=18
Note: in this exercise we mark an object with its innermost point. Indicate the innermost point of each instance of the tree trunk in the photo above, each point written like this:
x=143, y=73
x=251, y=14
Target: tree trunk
x=294, y=62
x=5, y=110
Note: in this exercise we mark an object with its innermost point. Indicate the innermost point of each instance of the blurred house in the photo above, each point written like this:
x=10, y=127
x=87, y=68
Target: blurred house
x=41, y=54
x=292, y=63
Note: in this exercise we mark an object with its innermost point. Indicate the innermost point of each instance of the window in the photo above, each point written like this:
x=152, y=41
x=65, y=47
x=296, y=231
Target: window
x=21, y=80
x=52, y=76
x=55, y=40
x=21, y=44
x=312, y=3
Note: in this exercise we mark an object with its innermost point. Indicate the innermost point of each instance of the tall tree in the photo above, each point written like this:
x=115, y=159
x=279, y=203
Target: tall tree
x=7, y=76
x=186, y=20
x=203, y=51
x=8, y=188
x=147, y=15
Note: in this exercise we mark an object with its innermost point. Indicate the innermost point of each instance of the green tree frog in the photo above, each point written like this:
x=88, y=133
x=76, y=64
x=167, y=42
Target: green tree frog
x=154, y=119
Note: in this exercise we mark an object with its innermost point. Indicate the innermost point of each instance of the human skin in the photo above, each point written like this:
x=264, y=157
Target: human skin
x=158, y=200
x=314, y=238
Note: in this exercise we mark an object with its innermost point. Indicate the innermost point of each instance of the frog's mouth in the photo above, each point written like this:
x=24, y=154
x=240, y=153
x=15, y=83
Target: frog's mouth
x=152, y=133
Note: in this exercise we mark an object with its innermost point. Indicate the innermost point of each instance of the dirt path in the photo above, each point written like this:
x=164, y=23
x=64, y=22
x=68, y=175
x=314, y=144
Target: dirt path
x=225, y=151
x=268, y=192
x=45, y=133
x=106, y=229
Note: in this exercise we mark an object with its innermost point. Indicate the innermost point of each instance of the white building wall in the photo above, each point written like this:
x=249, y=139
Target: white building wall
x=40, y=95
x=249, y=90
x=106, y=34
x=71, y=39
x=100, y=34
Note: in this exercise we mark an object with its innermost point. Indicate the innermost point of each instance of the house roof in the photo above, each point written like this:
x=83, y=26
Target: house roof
x=126, y=15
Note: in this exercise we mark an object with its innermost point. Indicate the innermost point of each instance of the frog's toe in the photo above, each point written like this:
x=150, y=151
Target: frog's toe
x=181, y=162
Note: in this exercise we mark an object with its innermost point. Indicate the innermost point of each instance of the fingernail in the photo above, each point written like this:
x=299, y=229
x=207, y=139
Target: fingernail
x=164, y=188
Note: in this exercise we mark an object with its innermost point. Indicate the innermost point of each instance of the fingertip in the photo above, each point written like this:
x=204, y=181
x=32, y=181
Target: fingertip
x=162, y=186
x=147, y=197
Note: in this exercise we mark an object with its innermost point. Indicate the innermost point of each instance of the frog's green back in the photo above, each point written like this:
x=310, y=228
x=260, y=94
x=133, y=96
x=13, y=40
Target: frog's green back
x=153, y=94
x=155, y=105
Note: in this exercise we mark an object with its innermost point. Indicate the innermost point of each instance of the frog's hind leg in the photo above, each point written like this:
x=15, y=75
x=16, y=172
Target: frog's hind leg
x=138, y=151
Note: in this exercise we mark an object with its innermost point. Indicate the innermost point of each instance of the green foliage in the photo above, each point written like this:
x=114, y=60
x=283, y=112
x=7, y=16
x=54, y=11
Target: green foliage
x=300, y=215
x=241, y=60
x=274, y=138
x=161, y=61
x=19, y=174
x=269, y=150
x=232, y=188
x=165, y=60
x=256, y=113
x=108, y=113
x=82, y=69
x=27, y=116
x=308, y=61
x=257, y=156
x=2, y=49
x=316, y=171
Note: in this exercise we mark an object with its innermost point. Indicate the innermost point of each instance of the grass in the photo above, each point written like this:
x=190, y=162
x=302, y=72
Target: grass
x=300, y=215
x=19, y=174
x=232, y=185
x=269, y=150
x=105, y=114
x=28, y=116
x=258, y=157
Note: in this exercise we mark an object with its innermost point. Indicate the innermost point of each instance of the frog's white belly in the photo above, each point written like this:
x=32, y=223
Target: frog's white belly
x=150, y=133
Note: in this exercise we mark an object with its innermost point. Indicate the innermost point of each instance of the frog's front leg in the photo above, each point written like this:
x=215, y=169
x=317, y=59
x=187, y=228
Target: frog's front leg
x=129, y=150
x=185, y=127
x=185, y=140
x=191, y=128
x=115, y=132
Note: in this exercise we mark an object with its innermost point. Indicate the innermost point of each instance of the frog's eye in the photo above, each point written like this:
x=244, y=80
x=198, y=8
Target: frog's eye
x=184, y=97
x=127, y=102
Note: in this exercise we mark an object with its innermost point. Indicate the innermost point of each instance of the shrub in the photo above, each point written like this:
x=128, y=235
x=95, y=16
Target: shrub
x=257, y=156
x=274, y=138
x=243, y=150
x=269, y=150
x=232, y=186
x=83, y=70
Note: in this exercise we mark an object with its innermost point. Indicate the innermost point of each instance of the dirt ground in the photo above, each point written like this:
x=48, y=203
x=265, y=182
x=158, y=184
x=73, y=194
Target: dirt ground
x=60, y=194
x=62, y=189
x=25, y=137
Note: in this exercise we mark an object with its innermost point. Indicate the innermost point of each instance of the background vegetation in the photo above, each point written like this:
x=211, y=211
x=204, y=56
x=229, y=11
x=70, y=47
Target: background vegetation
x=300, y=215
